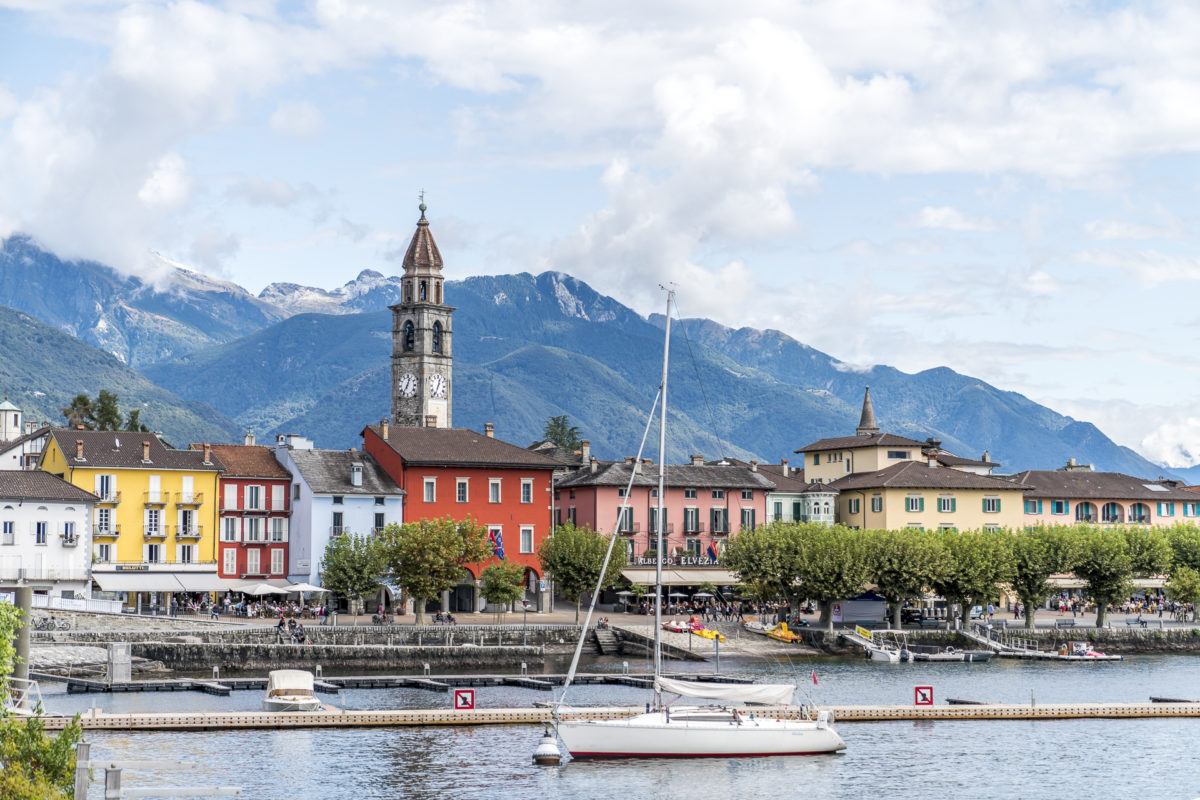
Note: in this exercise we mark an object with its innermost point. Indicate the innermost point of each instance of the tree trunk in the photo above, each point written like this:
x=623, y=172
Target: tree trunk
x=896, y=623
x=1030, y=613
x=418, y=610
x=964, y=616
x=826, y=623
x=1101, y=613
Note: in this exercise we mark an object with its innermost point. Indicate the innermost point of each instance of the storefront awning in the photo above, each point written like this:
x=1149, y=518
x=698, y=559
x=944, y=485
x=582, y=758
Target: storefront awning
x=136, y=581
x=681, y=576
x=200, y=582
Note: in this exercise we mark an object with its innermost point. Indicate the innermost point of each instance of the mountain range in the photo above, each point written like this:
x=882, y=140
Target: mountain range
x=315, y=361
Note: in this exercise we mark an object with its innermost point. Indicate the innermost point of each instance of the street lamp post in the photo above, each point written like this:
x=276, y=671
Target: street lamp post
x=524, y=620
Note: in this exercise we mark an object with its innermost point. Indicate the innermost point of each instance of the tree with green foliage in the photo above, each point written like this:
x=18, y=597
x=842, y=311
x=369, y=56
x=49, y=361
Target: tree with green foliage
x=1149, y=550
x=574, y=555
x=1184, y=587
x=80, y=413
x=352, y=566
x=502, y=583
x=1185, y=545
x=905, y=564
x=767, y=559
x=33, y=766
x=834, y=565
x=560, y=431
x=429, y=556
x=1038, y=553
x=977, y=562
x=1104, y=563
x=134, y=423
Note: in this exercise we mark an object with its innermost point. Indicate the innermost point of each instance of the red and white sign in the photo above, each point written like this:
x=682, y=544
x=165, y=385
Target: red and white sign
x=923, y=696
x=464, y=699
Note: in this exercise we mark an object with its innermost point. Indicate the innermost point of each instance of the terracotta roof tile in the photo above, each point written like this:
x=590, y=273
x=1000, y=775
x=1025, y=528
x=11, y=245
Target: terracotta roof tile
x=1085, y=485
x=38, y=485
x=247, y=460
x=851, y=442
x=123, y=449
x=919, y=475
x=460, y=446
x=328, y=472
x=616, y=473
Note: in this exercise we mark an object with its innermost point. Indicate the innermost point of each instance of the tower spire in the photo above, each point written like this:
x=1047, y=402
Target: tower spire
x=866, y=423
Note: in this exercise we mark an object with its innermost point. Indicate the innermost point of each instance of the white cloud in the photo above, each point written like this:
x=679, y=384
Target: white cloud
x=1109, y=229
x=297, y=119
x=168, y=185
x=1151, y=267
x=951, y=219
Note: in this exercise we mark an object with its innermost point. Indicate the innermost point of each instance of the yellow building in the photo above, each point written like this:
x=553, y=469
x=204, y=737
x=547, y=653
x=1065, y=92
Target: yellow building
x=154, y=528
x=886, y=481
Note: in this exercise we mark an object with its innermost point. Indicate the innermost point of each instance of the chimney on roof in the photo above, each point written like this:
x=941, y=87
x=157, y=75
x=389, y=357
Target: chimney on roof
x=146, y=451
x=79, y=449
x=629, y=459
x=208, y=450
x=586, y=451
x=753, y=465
x=356, y=474
x=489, y=430
x=987, y=457
x=594, y=464
x=934, y=444
x=431, y=420
x=1070, y=463
x=783, y=467
x=697, y=460
x=383, y=428
x=866, y=423
x=249, y=440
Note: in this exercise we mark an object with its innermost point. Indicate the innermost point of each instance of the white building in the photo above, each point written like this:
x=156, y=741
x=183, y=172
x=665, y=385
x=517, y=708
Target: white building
x=45, y=534
x=333, y=491
x=21, y=440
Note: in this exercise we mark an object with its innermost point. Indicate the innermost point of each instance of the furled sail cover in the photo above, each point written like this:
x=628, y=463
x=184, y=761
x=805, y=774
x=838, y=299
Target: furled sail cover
x=779, y=694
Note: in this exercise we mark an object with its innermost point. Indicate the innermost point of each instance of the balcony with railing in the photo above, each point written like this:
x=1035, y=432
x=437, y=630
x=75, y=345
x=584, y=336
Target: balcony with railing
x=109, y=498
x=338, y=530
x=629, y=529
x=156, y=498
x=189, y=498
x=68, y=539
x=107, y=531
x=693, y=528
x=155, y=533
x=189, y=532
x=12, y=574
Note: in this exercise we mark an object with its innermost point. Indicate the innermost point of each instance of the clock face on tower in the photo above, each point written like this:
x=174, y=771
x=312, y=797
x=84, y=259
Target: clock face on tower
x=407, y=385
x=437, y=385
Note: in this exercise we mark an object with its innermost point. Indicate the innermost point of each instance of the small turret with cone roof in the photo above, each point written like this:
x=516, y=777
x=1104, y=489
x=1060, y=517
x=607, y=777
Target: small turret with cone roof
x=866, y=423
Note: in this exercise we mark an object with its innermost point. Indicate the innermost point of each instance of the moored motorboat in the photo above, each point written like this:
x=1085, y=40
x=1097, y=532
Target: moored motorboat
x=290, y=690
x=780, y=633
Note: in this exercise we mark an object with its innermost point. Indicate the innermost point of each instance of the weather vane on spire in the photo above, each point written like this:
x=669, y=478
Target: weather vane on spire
x=421, y=195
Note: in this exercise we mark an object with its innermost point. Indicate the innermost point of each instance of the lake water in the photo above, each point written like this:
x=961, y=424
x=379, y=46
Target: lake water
x=1019, y=759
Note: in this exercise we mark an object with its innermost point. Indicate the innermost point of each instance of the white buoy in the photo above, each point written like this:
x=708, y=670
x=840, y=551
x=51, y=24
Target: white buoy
x=546, y=754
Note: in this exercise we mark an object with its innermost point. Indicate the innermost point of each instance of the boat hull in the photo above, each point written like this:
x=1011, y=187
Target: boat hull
x=291, y=704
x=653, y=735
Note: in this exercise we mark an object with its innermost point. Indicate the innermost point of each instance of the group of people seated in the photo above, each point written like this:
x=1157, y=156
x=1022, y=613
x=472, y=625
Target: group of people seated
x=446, y=618
x=292, y=629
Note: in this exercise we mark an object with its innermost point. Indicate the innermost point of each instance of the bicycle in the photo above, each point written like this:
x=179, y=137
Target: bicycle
x=51, y=623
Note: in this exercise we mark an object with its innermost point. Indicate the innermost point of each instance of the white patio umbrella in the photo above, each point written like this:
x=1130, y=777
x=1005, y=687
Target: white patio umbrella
x=306, y=587
x=702, y=594
x=625, y=593
x=260, y=589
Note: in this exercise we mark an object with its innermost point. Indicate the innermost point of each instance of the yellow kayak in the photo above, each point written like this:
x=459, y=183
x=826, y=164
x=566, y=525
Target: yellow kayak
x=781, y=633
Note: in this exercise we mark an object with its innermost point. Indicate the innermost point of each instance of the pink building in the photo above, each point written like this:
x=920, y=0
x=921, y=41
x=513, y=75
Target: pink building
x=703, y=505
x=1075, y=494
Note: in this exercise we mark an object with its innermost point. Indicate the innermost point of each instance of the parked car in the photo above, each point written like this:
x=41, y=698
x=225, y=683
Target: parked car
x=910, y=615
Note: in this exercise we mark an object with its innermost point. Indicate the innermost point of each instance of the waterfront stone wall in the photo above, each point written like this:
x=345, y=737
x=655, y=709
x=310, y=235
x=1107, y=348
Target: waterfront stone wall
x=85, y=621
x=391, y=635
x=243, y=657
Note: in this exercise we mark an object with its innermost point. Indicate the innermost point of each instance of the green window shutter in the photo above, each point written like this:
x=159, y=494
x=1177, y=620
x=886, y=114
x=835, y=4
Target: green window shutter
x=1066, y=507
x=920, y=504
x=816, y=459
x=1039, y=502
x=953, y=504
x=998, y=504
x=984, y=501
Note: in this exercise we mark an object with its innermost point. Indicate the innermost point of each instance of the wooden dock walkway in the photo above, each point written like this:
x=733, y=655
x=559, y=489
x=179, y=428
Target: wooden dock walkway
x=245, y=720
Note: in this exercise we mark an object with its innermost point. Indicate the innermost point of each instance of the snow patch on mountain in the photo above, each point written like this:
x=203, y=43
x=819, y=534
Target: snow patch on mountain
x=370, y=291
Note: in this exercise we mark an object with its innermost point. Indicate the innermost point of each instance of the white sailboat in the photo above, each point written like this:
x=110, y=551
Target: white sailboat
x=694, y=731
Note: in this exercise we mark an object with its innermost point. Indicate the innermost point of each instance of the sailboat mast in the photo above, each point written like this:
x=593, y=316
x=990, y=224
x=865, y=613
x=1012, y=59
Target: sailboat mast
x=658, y=518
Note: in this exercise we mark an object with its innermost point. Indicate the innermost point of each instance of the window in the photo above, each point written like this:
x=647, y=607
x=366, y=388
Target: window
x=899, y=454
x=1139, y=512
x=493, y=490
x=816, y=459
x=947, y=526
x=187, y=522
x=571, y=515
x=253, y=562
x=104, y=487
x=295, y=491
x=689, y=494
x=1033, y=506
x=337, y=523
x=914, y=502
x=691, y=520
x=278, y=529
x=1060, y=507
x=410, y=336
x=277, y=497
x=380, y=524
x=654, y=493
x=1191, y=509
x=104, y=553
x=571, y=494
x=526, y=538
x=153, y=553
x=853, y=505
x=338, y=500
x=876, y=503
x=1166, y=509
x=424, y=289
x=9, y=533
x=747, y=494
x=460, y=490
x=622, y=492
x=229, y=561
x=253, y=529
x=229, y=529
x=693, y=548
x=915, y=526
x=747, y=519
x=847, y=466
x=254, y=498
x=430, y=490
x=153, y=520
x=624, y=519
x=526, y=490
x=69, y=531
x=991, y=526
x=947, y=504
x=187, y=553
x=777, y=509
x=276, y=560
x=718, y=494
x=797, y=510
x=103, y=521
x=1085, y=512
x=719, y=520
x=991, y=505
x=379, y=501
x=436, y=342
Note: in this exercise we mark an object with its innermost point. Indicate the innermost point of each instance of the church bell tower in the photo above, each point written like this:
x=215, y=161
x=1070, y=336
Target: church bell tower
x=422, y=358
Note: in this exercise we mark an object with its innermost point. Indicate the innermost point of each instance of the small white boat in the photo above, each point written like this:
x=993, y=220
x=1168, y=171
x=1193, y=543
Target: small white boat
x=886, y=655
x=290, y=690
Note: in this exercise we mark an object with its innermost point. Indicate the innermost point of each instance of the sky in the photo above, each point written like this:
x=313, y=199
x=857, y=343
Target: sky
x=1008, y=189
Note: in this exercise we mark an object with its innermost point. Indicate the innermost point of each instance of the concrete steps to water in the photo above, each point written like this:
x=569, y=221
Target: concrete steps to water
x=607, y=643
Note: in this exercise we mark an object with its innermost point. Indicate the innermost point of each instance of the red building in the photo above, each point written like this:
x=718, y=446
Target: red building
x=462, y=474
x=255, y=510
